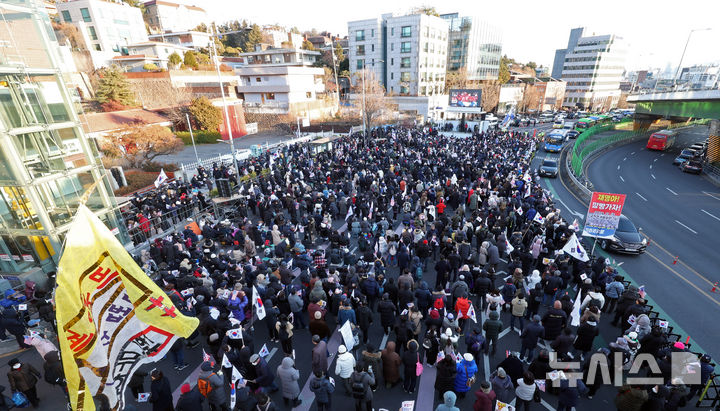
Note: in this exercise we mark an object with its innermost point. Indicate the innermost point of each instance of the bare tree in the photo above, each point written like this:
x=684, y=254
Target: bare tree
x=375, y=102
x=139, y=144
x=456, y=79
x=490, y=95
x=531, y=98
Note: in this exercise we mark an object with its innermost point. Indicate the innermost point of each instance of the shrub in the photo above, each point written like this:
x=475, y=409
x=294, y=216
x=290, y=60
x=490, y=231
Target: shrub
x=156, y=166
x=201, y=137
x=206, y=115
x=136, y=180
x=112, y=105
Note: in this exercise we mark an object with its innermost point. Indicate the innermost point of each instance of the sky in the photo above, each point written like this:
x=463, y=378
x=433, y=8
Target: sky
x=655, y=31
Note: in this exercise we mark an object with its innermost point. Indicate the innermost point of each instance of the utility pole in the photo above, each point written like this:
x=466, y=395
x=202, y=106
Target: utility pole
x=682, y=57
x=363, y=101
x=216, y=60
x=337, y=85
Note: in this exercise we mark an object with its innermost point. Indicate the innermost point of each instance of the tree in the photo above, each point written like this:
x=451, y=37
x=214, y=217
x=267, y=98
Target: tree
x=114, y=87
x=490, y=95
x=138, y=144
x=254, y=36
x=190, y=60
x=532, y=65
x=207, y=116
x=425, y=9
x=375, y=102
x=339, y=52
x=456, y=79
x=174, y=59
x=307, y=45
x=201, y=27
x=531, y=98
x=202, y=58
x=231, y=51
x=504, y=75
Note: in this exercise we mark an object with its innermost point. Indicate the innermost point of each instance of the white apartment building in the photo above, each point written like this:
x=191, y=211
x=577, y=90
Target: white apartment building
x=408, y=54
x=283, y=39
x=593, y=69
x=298, y=91
x=273, y=57
x=107, y=27
x=701, y=77
x=148, y=52
x=163, y=16
x=192, y=39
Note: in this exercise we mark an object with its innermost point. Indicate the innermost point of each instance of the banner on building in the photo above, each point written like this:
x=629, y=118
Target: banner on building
x=112, y=318
x=603, y=215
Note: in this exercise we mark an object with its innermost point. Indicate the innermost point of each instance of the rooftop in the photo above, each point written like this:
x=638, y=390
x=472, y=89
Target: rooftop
x=170, y=4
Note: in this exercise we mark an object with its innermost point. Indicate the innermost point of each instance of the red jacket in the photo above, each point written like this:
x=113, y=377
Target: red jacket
x=440, y=207
x=484, y=402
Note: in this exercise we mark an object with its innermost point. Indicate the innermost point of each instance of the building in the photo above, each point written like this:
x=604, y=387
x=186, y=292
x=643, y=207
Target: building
x=162, y=16
x=407, y=53
x=475, y=45
x=320, y=42
x=592, y=66
x=511, y=95
x=280, y=38
x=296, y=91
x=107, y=27
x=149, y=52
x=274, y=58
x=559, y=61
x=191, y=39
x=47, y=163
x=701, y=77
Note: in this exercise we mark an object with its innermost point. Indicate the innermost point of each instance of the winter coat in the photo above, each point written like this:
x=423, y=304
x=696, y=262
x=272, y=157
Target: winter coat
x=614, y=289
x=448, y=404
x=345, y=365
x=532, y=332
x=372, y=361
x=465, y=371
x=562, y=344
x=190, y=401
x=391, y=363
x=319, y=357
x=519, y=305
x=493, y=255
x=323, y=388
x=445, y=379
x=318, y=293
x=387, y=312
x=346, y=314
x=492, y=326
x=503, y=387
x=161, y=395
x=367, y=380
x=289, y=376
x=217, y=394
x=569, y=393
x=296, y=303
x=483, y=401
x=410, y=358
x=630, y=399
x=554, y=321
x=586, y=334
x=24, y=378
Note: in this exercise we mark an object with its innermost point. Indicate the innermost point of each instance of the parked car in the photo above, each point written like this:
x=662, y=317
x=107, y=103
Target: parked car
x=572, y=134
x=692, y=166
x=627, y=239
x=684, y=156
x=548, y=168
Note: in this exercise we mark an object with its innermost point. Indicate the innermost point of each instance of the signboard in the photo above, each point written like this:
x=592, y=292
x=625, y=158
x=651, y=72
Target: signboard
x=465, y=98
x=5, y=257
x=28, y=257
x=603, y=215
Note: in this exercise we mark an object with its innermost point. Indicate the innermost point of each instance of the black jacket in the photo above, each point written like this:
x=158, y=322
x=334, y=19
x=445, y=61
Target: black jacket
x=554, y=321
x=531, y=333
x=387, y=312
x=190, y=401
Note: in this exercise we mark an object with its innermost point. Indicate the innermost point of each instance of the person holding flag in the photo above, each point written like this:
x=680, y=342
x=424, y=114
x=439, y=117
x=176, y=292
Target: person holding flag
x=462, y=308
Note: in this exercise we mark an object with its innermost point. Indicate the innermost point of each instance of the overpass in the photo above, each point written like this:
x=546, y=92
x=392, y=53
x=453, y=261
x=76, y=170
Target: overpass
x=676, y=106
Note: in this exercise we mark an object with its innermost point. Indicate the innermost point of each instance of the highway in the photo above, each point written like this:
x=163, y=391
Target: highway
x=667, y=204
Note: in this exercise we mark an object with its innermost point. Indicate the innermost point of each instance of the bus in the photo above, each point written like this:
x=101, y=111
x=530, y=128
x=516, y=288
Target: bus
x=554, y=142
x=661, y=140
x=584, y=124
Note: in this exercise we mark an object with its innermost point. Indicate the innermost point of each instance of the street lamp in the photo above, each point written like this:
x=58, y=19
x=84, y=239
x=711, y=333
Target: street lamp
x=222, y=94
x=683, y=54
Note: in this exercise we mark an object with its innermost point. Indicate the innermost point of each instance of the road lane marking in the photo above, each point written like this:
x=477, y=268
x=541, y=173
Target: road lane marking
x=640, y=195
x=650, y=166
x=624, y=158
x=668, y=189
x=703, y=292
x=618, y=166
x=717, y=218
x=623, y=180
x=568, y=208
x=655, y=160
x=690, y=229
x=705, y=192
x=653, y=176
x=662, y=155
x=383, y=343
x=632, y=154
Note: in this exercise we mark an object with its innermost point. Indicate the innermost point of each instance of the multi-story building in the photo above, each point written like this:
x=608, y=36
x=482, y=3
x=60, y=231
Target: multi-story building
x=148, y=52
x=274, y=57
x=475, y=45
x=162, y=16
x=408, y=54
x=47, y=162
x=700, y=77
x=298, y=91
x=279, y=38
x=593, y=68
x=559, y=61
x=192, y=39
x=107, y=27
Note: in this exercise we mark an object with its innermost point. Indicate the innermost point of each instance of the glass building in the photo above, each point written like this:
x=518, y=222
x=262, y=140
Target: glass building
x=475, y=45
x=46, y=161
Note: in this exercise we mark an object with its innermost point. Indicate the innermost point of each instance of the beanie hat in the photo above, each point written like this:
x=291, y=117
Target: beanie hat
x=679, y=345
x=206, y=366
x=342, y=349
x=185, y=388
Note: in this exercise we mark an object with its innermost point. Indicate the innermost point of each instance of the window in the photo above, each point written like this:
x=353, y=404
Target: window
x=360, y=50
x=422, y=90
x=93, y=34
x=360, y=35
x=98, y=48
x=372, y=47
x=406, y=31
x=392, y=61
x=270, y=96
x=405, y=47
x=308, y=94
x=405, y=76
x=392, y=46
x=258, y=79
x=360, y=64
x=372, y=32
x=404, y=90
x=66, y=16
x=392, y=31
x=425, y=47
x=392, y=76
x=85, y=13
x=405, y=62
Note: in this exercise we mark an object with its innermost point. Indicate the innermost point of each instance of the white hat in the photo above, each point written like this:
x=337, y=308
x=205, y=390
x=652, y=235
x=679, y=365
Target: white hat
x=342, y=349
x=468, y=357
x=448, y=332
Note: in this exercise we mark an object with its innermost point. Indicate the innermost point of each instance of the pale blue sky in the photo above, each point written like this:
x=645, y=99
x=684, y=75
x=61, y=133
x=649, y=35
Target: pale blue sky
x=656, y=31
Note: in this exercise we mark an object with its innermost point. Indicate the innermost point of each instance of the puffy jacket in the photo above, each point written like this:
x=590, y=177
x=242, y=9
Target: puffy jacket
x=554, y=321
x=345, y=365
x=317, y=292
x=519, y=305
x=532, y=332
x=445, y=379
x=387, y=312
x=492, y=326
x=448, y=404
x=346, y=314
x=614, y=289
x=23, y=378
x=217, y=394
x=483, y=401
x=323, y=388
x=367, y=380
x=296, y=303
x=190, y=401
x=503, y=387
x=465, y=370
x=289, y=376
x=319, y=357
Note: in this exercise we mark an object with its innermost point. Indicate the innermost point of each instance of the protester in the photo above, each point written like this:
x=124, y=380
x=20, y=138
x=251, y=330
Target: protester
x=160, y=392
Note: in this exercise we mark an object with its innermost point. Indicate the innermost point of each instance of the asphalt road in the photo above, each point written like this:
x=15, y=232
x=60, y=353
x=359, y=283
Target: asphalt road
x=680, y=291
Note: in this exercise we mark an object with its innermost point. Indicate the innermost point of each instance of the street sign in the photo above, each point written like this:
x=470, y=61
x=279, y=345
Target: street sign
x=603, y=215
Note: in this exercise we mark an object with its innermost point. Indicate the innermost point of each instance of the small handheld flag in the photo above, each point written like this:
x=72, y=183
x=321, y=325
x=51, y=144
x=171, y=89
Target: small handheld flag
x=143, y=396
x=264, y=351
x=471, y=313
x=258, y=304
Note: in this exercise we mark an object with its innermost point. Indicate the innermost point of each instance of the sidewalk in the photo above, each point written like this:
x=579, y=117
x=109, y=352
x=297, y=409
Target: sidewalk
x=187, y=155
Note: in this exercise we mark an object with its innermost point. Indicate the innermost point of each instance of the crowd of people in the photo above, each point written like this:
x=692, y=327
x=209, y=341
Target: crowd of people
x=437, y=243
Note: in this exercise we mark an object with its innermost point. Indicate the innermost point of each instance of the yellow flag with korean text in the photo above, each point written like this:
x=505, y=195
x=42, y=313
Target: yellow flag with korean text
x=111, y=317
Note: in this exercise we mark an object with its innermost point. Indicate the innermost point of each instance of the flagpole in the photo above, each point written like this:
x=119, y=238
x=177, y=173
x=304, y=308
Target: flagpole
x=592, y=252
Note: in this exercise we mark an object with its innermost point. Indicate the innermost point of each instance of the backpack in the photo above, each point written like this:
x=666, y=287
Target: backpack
x=358, y=387
x=204, y=385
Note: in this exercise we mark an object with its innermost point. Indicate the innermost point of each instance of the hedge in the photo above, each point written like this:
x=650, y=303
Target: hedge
x=201, y=137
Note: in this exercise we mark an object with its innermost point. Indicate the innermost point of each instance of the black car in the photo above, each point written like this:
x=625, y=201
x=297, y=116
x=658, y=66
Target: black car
x=572, y=134
x=692, y=166
x=627, y=239
x=548, y=168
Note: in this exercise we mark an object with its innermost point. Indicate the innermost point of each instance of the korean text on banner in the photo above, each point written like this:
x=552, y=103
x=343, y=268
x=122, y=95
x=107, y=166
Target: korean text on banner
x=112, y=318
x=603, y=215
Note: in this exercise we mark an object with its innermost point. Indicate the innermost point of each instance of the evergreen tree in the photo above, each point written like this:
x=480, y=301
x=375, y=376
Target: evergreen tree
x=255, y=36
x=190, y=60
x=114, y=87
x=175, y=59
x=207, y=116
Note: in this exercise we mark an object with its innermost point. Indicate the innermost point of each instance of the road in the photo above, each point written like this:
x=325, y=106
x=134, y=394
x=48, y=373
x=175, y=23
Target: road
x=680, y=291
